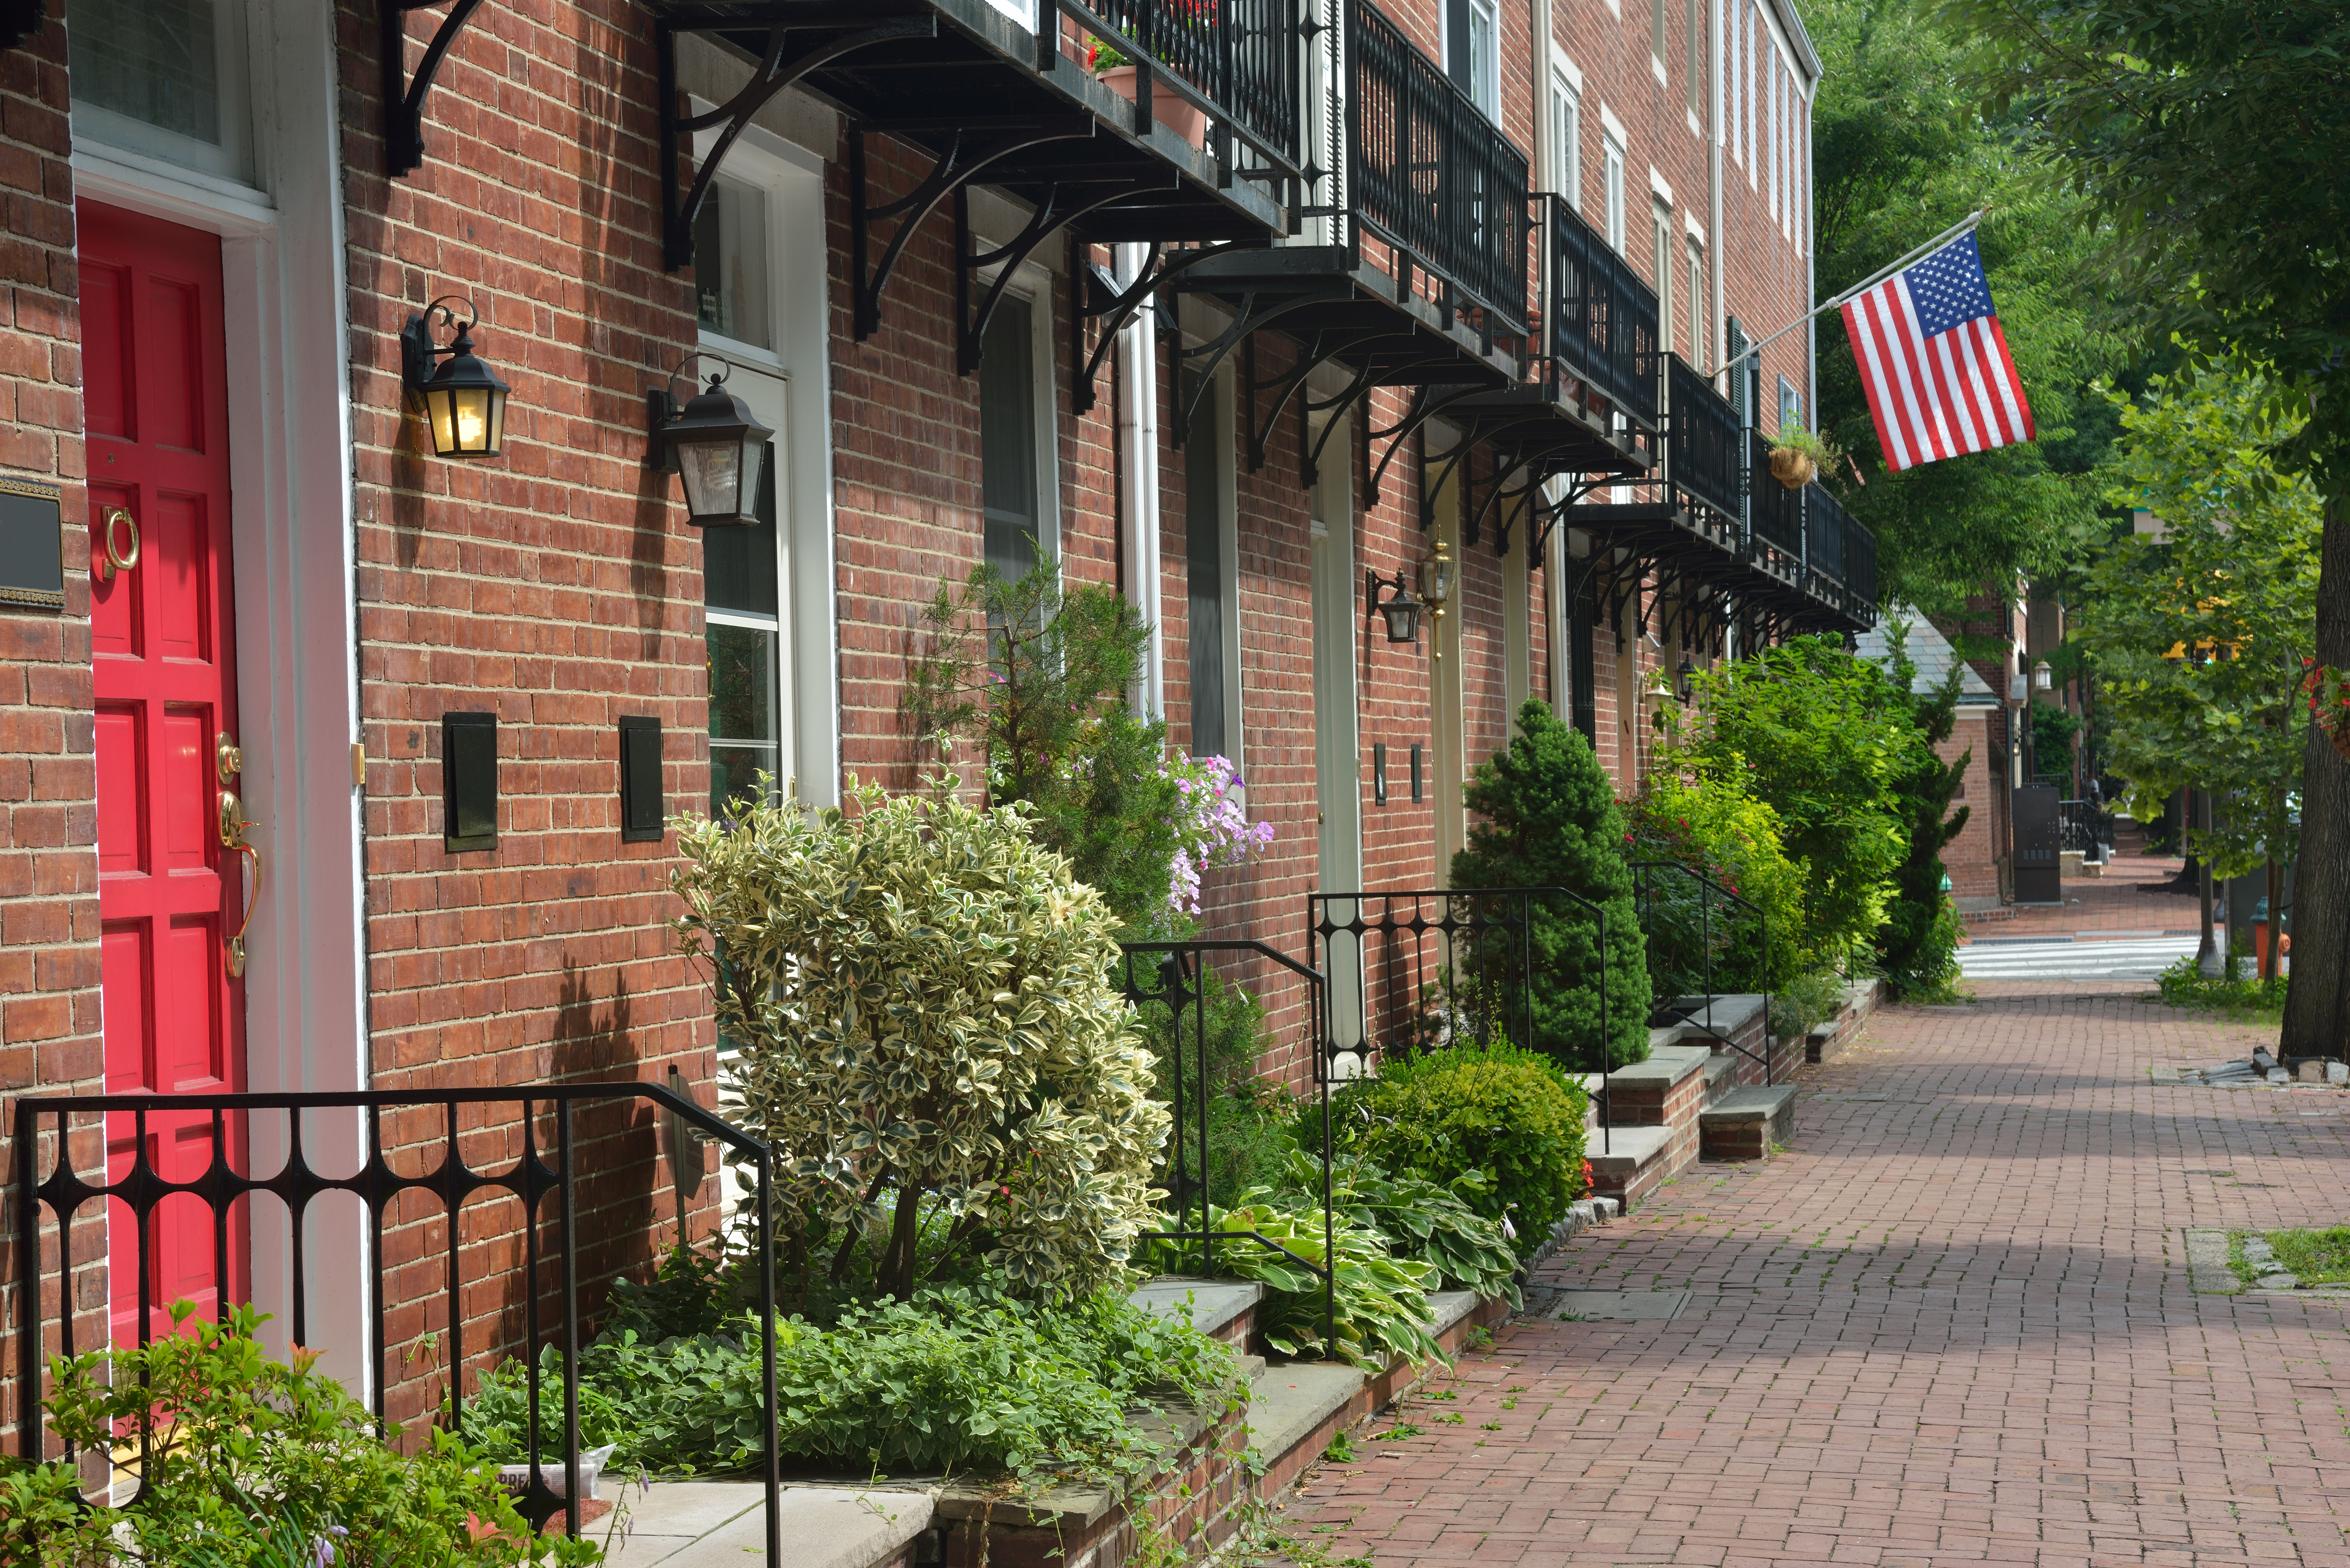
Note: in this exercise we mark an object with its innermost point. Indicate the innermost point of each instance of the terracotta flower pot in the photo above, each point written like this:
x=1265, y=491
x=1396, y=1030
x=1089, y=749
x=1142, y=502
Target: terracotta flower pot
x=1179, y=115
x=1792, y=468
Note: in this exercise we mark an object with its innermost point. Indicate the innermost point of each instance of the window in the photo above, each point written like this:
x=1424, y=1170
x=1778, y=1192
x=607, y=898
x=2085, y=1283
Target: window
x=742, y=627
x=1472, y=47
x=1695, y=53
x=1565, y=139
x=1613, y=154
x=1752, y=33
x=1791, y=404
x=1774, y=135
x=1657, y=29
x=1744, y=387
x=730, y=284
x=1664, y=276
x=1735, y=132
x=1007, y=437
x=1697, y=307
x=1206, y=573
x=165, y=78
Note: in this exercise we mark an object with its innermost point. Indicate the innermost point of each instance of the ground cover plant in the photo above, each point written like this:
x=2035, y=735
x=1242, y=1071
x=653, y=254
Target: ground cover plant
x=2232, y=994
x=256, y=1462
x=2311, y=1257
x=959, y=1379
x=1378, y=1302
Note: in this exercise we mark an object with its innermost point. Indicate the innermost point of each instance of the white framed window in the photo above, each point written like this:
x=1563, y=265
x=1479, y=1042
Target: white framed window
x=1656, y=40
x=1566, y=139
x=1753, y=34
x=1473, y=51
x=733, y=284
x=1211, y=574
x=1019, y=461
x=1695, y=54
x=1612, y=157
x=1663, y=216
x=168, y=79
x=1697, y=308
x=1774, y=136
x=1791, y=405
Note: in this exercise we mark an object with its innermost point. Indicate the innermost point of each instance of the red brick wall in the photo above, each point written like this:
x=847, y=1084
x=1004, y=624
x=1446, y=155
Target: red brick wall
x=557, y=585
x=48, y=859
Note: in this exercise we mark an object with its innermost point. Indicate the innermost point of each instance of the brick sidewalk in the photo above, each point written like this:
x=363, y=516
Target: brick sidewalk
x=1951, y=1326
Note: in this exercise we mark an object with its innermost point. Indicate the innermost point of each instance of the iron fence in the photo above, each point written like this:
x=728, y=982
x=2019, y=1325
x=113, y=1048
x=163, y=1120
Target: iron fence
x=2085, y=826
x=1687, y=939
x=1701, y=452
x=224, y=1123
x=1238, y=60
x=1429, y=174
x=1178, y=977
x=1454, y=966
x=1603, y=318
x=1775, y=513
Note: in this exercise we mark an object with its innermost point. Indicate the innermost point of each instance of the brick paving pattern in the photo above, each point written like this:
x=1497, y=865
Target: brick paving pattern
x=1953, y=1326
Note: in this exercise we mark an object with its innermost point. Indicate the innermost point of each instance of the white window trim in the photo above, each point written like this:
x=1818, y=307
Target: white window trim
x=1657, y=187
x=800, y=323
x=1696, y=230
x=1562, y=64
x=1034, y=285
x=1566, y=174
x=1612, y=127
x=1493, y=82
x=1614, y=223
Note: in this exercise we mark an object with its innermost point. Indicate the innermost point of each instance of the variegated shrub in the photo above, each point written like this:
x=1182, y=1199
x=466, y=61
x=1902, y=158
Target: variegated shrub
x=930, y=1040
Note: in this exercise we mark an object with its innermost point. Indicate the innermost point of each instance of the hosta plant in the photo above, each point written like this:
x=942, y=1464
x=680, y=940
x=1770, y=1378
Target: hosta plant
x=928, y=1038
x=1380, y=1307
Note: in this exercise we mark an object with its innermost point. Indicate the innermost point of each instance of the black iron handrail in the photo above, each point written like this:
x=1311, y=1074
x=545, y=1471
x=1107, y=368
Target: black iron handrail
x=1646, y=874
x=1177, y=981
x=1238, y=61
x=1859, y=565
x=1478, y=931
x=1430, y=175
x=1603, y=318
x=1702, y=453
x=529, y=1179
x=1774, y=512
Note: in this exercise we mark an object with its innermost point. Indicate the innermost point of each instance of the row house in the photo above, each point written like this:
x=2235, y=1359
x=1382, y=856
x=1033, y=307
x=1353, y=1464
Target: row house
x=379, y=570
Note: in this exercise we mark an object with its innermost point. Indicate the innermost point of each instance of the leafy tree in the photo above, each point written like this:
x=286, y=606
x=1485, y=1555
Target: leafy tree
x=1718, y=829
x=1902, y=153
x=1918, y=948
x=930, y=1038
x=1037, y=674
x=2200, y=639
x=1550, y=821
x=2210, y=139
x=1816, y=733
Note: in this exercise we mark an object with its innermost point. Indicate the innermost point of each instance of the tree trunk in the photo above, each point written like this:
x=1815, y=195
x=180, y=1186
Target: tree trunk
x=2316, y=1009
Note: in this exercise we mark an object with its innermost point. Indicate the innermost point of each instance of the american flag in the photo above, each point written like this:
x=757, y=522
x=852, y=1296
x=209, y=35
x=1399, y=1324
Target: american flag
x=1935, y=364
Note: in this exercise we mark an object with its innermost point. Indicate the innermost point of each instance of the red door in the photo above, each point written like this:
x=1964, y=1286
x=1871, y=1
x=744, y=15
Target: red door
x=171, y=894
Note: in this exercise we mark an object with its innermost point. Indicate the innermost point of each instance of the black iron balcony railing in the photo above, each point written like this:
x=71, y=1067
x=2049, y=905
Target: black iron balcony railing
x=1701, y=451
x=1774, y=512
x=1859, y=565
x=1428, y=175
x=1240, y=60
x=1824, y=523
x=1603, y=319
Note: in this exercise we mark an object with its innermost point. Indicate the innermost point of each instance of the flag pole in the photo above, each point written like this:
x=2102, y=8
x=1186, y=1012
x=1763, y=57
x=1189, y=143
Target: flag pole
x=1964, y=226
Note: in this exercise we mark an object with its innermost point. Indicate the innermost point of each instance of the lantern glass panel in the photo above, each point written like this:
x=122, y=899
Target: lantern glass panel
x=470, y=412
x=436, y=408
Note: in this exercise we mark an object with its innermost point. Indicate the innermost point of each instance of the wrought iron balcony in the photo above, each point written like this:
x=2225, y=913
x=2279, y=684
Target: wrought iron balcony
x=1702, y=446
x=1237, y=61
x=1601, y=318
x=1822, y=564
x=1430, y=177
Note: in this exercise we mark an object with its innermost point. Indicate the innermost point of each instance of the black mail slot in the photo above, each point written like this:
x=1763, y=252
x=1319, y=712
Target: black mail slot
x=469, y=781
x=640, y=780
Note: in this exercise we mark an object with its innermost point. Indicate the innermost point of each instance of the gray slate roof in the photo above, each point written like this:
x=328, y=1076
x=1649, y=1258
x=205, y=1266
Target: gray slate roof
x=1931, y=652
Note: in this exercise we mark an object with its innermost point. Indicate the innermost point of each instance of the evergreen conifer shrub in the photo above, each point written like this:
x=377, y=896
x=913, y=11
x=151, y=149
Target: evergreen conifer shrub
x=1550, y=821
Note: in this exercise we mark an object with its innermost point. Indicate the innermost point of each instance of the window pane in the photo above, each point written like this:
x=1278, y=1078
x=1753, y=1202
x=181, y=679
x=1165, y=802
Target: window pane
x=157, y=61
x=730, y=263
x=1204, y=571
x=734, y=774
x=738, y=565
x=1007, y=437
x=742, y=684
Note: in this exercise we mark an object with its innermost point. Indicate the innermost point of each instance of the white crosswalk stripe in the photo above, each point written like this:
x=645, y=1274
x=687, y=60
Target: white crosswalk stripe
x=2124, y=958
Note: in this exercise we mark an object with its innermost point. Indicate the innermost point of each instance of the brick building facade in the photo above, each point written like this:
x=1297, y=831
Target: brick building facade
x=834, y=269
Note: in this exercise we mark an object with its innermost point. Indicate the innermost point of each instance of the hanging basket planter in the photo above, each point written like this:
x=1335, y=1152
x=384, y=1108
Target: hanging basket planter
x=1792, y=467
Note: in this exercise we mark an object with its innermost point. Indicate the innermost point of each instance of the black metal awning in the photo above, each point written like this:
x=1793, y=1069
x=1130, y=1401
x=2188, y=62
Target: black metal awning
x=984, y=101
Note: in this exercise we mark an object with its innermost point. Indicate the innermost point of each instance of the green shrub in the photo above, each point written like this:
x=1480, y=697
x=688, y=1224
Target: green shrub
x=2234, y=992
x=1509, y=1114
x=928, y=1038
x=956, y=1379
x=256, y=1462
x=1380, y=1301
x=1716, y=827
x=1808, y=1000
x=1917, y=947
x=1550, y=821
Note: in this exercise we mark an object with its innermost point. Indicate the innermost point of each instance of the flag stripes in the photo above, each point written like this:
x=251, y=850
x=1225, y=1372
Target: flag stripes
x=1934, y=363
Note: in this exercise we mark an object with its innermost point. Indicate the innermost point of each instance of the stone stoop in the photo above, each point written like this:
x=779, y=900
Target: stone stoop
x=1828, y=1037
x=1745, y=1122
x=1652, y=1107
x=1729, y=1025
x=1220, y=1309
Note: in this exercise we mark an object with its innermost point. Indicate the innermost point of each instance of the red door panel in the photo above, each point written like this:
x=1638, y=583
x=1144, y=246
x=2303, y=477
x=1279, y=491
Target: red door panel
x=162, y=634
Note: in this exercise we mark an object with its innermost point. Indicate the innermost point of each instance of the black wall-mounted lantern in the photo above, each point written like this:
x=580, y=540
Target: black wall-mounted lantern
x=465, y=402
x=1401, y=607
x=715, y=444
x=403, y=99
x=1685, y=681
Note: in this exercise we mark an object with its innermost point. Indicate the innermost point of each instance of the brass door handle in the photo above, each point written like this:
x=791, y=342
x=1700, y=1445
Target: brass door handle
x=111, y=560
x=233, y=823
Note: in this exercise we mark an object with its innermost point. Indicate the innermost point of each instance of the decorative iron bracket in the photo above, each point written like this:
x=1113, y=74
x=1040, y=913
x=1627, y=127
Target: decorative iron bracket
x=1254, y=314
x=403, y=96
x=1427, y=402
x=973, y=148
x=1064, y=203
x=1094, y=295
x=847, y=27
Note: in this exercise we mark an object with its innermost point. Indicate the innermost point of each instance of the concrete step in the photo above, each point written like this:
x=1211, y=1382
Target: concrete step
x=1745, y=1123
x=1636, y=1160
x=1220, y=1309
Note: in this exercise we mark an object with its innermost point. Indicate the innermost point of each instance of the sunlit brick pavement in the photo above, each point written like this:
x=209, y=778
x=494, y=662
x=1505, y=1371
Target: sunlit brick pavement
x=1952, y=1325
